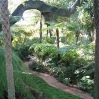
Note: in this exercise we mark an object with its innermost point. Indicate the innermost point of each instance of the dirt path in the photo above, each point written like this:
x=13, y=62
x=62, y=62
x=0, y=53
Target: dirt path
x=53, y=82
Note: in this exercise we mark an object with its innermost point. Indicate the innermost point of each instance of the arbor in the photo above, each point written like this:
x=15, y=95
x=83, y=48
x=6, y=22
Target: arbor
x=96, y=75
x=8, y=50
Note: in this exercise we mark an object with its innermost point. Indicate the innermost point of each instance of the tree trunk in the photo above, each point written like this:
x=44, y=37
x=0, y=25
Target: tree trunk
x=77, y=36
x=90, y=37
x=57, y=37
x=96, y=72
x=50, y=33
x=57, y=41
x=8, y=49
x=41, y=28
x=47, y=31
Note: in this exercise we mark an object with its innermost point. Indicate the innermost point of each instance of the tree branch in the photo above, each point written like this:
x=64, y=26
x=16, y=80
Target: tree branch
x=49, y=12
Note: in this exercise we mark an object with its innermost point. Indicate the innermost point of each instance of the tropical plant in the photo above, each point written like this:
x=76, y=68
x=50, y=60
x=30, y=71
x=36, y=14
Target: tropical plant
x=73, y=32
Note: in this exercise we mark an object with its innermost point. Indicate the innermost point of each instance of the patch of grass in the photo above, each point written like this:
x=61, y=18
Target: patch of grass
x=42, y=87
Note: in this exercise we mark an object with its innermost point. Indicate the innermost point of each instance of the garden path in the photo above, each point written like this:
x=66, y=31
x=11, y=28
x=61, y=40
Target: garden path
x=55, y=83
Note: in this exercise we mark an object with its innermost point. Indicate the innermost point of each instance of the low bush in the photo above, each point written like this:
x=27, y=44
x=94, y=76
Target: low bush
x=22, y=51
x=48, y=40
x=44, y=51
x=87, y=84
x=37, y=67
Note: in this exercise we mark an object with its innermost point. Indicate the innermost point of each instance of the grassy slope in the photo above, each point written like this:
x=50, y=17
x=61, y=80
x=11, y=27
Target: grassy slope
x=44, y=88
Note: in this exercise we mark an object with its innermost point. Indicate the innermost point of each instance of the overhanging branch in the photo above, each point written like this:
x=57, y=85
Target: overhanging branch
x=49, y=12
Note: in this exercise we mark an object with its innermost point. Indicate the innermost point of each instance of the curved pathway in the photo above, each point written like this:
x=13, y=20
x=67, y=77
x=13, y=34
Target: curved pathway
x=55, y=83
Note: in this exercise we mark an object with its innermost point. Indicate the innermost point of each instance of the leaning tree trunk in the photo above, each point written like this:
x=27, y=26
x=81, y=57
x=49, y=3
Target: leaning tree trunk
x=8, y=50
x=96, y=75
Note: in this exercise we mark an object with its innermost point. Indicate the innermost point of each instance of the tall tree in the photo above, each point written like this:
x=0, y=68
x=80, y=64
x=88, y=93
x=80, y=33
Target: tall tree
x=96, y=75
x=8, y=49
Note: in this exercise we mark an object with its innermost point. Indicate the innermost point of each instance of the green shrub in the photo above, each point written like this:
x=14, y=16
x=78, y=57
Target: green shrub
x=35, y=40
x=22, y=51
x=68, y=54
x=49, y=40
x=66, y=81
x=87, y=84
x=33, y=65
x=36, y=66
x=44, y=51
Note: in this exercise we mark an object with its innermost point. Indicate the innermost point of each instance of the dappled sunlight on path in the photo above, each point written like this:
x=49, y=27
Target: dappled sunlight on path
x=55, y=83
